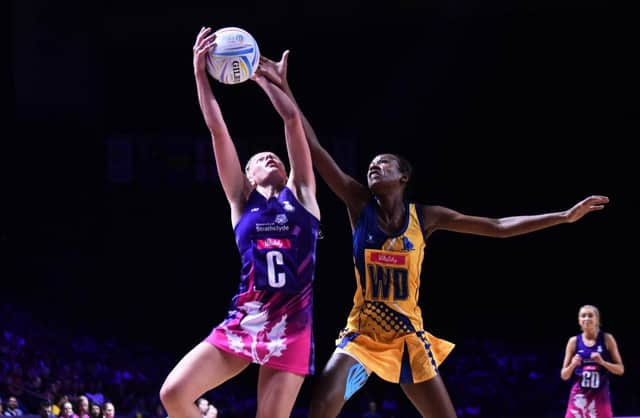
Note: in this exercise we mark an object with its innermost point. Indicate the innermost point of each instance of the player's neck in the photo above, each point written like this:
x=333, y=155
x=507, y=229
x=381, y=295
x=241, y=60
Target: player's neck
x=590, y=334
x=269, y=191
x=390, y=208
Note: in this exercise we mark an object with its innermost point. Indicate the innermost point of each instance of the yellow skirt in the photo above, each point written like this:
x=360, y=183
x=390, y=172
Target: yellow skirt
x=411, y=358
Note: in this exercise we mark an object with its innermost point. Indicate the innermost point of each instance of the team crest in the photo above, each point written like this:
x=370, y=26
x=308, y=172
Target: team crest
x=281, y=219
x=287, y=206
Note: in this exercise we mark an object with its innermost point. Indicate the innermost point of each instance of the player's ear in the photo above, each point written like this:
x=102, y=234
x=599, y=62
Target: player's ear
x=252, y=181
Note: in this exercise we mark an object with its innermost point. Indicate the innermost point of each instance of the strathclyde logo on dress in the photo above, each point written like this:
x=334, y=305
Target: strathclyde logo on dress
x=279, y=224
x=386, y=258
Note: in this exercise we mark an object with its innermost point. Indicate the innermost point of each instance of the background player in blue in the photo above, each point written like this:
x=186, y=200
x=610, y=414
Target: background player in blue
x=384, y=332
x=276, y=220
x=589, y=358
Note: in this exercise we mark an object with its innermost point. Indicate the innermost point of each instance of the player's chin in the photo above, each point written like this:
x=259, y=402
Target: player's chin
x=375, y=183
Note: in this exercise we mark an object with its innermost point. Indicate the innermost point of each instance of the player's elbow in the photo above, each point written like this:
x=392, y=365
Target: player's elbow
x=500, y=231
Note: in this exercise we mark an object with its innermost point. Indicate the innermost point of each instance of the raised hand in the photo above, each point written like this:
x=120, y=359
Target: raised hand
x=204, y=43
x=590, y=204
x=276, y=72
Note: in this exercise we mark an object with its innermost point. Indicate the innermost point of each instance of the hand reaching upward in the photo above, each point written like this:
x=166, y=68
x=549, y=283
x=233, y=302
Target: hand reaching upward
x=275, y=71
x=204, y=43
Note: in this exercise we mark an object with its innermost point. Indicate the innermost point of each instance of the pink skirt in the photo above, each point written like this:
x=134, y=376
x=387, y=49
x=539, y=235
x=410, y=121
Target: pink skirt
x=589, y=403
x=278, y=340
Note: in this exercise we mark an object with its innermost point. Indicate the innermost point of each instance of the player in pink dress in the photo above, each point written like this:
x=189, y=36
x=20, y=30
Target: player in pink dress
x=590, y=357
x=276, y=220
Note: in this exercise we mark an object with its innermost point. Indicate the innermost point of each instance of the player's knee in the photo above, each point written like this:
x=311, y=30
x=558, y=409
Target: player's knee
x=323, y=400
x=169, y=394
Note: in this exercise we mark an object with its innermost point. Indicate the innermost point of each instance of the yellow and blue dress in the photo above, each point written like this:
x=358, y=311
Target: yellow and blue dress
x=384, y=330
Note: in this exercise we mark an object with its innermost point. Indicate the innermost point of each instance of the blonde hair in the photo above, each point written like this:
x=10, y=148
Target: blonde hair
x=248, y=164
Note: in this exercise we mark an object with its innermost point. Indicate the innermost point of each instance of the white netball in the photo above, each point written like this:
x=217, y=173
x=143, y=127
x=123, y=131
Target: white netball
x=235, y=58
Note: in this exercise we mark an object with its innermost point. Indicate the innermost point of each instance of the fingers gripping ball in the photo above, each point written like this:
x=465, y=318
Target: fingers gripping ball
x=235, y=56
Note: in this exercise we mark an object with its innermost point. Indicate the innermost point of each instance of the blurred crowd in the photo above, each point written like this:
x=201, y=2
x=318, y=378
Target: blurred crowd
x=47, y=372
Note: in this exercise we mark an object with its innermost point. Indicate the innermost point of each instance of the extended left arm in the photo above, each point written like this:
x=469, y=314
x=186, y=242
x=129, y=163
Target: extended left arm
x=440, y=217
x=302, y=178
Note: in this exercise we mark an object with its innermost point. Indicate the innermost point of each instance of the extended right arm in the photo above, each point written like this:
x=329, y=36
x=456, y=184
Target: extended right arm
x=234, y=183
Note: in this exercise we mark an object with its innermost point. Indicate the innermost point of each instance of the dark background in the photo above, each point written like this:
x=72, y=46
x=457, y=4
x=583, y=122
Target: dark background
x=114, y=222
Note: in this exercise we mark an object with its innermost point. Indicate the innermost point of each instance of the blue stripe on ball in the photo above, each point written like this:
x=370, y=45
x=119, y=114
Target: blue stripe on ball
x=234, y=53
x=249, y=66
